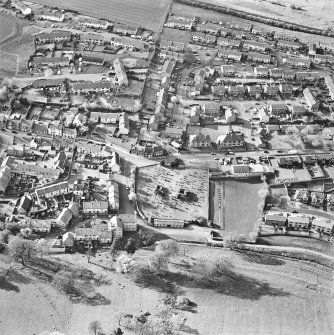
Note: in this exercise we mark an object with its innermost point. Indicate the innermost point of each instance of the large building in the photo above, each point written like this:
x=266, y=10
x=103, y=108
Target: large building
x=230, y=140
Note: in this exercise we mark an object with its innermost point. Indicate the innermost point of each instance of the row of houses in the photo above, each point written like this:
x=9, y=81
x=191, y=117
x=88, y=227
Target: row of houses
x=299, y=221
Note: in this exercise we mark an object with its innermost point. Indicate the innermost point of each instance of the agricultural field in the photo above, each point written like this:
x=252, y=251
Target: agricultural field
x=149, y=14
x=167, y=205
x=258, y=295
x=234, y=205
x=317, y=14
x=7, y=27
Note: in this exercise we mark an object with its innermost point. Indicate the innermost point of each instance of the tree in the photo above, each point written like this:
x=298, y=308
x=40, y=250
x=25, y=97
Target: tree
x=94, y=327
x=43, y=246
x=162, y=163
x=118, y=331
x=4, y=236
x=169, y=247
x=21, y=249
x=130, y=246
x=159, y=263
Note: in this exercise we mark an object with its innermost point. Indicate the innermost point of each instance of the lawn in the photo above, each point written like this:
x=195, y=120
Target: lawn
x=145, y=13
x=7, y=27
x=168, y=205
x=234, y=205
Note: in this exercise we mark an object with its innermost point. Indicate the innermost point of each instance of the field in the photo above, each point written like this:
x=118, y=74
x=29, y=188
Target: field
x=234, y=205
x=167, y=205
x=145, y=13
x=262, y=295
x=317, y=14
x=7, y=27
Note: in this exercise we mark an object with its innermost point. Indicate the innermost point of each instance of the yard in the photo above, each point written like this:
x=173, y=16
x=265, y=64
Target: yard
x=168, y=204
x=146, y=13
x=234, y=205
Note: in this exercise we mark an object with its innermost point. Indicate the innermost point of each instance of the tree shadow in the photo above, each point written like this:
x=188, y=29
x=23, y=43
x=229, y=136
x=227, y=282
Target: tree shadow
x=17, y=277
x=7, y=285
x=263, y=259
x=233, y=284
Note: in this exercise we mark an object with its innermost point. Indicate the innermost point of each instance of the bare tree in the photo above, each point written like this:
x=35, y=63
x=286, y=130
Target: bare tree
x=94, y=327
x=159, y=263
x=169, y=247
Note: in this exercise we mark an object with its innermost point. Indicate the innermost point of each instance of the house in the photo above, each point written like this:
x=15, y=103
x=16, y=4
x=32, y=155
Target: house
x=113, y=196
x=254, y=90
x=95, y=207
x=330, y=85
x=317, y=198
x=69, y=133
x=270, y=90
x=53, y=36
x=327, y=46
x=206, y=39
x=254, y=45
x=168, y=67
x=121, y=76
x=124, y=124
x=68, y=241
x=288, y=74
x=322, y=225
x=86, y=87
x=275, y=218
x=258, y=58
x=51, y=191
x=129, y=221
x=49, y=85
x=310, y=100
x=307, y=76
x=230, y=54
x=177, y=56
x=199, y=141
x=74, y=208
x=92, y=38
x=91, y=22
x=286, y=89
x=115, y=163
x=173, y=133
x=79, y=120
x=168, y=223
x=64, y=218
x=87, y=237
x=230, y=140
x=21, y=7
x=236, y=90
x=194, y=115
x=89, y=60
x=240, y=25
x=218, y=91
x=183, y=23
x=128, y=43
x=5, y=176
x=261, y=71
x=298, y=221
x=116, y=225
x=172, y=45
x=105, y=118
x=51, y=16
x=298, y=111
x=45, y=62
x=124, y=29
x=330, y=201
x=228, y=70
x=297, y=61
x=55, y=129
x=302, y=195
x=60, y=161
x=275, y=73
x=24, y=205
x=209, y=28
x=277, y=109
x=40, y=227
x=323, y=59
x=290, y=45
x=223, y=42
x=154, y=151
x=211, y=109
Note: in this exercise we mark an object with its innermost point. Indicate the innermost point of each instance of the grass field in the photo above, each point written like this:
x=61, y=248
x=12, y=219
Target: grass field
x=234, y=205
x=168, y=206
x=7, y=27
x=263, y=295
x=317, y=14
x=145, y=13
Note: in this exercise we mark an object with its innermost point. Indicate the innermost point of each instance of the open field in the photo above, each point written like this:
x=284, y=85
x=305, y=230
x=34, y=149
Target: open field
x=317, y=14
x=145, y=13
x=168, y=205
x=7, y=27
x=234, y=205
x=260, y=295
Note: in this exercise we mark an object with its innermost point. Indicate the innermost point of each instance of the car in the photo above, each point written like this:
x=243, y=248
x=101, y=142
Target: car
x=266, y=151
x=279, y=151
x=216, y=159
x=14, y=131
x=212, y=153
